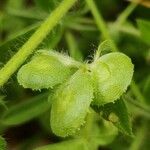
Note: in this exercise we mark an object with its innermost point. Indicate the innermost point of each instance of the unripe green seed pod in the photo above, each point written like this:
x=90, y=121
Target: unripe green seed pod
x=112, y=74
x=71, y=104
x=45, y=70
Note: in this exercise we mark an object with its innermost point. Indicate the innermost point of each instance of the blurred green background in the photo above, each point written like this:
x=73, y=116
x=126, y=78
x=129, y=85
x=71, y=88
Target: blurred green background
x=76, y=34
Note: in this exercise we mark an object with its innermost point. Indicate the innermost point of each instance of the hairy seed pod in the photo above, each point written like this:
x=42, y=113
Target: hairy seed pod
x=45, y=70
x=112, y=74
x=71, y=104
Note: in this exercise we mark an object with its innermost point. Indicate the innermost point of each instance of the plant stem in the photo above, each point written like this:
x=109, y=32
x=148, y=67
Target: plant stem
x=27, y=49
x=101, y=23
x=124, y=15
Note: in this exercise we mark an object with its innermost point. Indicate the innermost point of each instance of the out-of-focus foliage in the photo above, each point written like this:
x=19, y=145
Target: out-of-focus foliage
x=123, y=124
x=2, y=143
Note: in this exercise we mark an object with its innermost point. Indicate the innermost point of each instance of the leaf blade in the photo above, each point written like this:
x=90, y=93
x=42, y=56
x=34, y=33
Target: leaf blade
x=117, y=113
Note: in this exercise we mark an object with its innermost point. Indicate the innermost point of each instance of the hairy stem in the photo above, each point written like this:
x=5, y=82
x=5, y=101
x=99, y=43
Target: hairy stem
x=27, y=49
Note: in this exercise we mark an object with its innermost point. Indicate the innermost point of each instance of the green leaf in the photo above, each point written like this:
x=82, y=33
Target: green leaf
x=26, y=111
x=144, y=26
x=14, y=42
x=71, y=104
x=2, y=143
x=78, y=144
x=104, y=48
x=117, y=113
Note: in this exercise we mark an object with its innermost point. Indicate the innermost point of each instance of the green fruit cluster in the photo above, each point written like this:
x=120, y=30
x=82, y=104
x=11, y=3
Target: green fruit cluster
x=78, y=85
